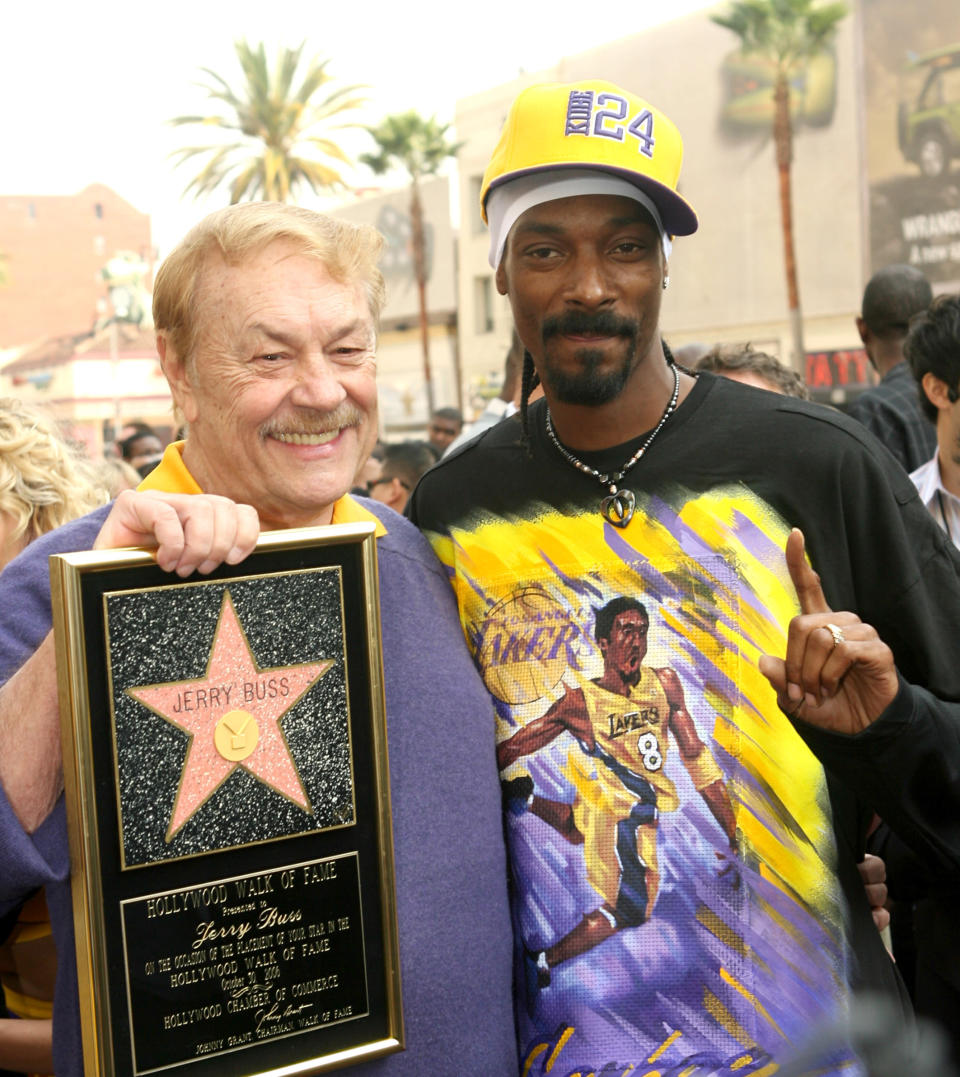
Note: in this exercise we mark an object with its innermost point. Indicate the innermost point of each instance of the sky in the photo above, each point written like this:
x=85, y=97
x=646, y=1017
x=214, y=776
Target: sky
x=87, y=88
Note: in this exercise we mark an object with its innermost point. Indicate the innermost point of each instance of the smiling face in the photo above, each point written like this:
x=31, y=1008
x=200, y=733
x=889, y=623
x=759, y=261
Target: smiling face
x=280, y=394
x=585, y=278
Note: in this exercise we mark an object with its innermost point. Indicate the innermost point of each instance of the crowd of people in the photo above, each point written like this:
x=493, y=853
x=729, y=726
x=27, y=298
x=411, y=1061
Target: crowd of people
x=672, y=713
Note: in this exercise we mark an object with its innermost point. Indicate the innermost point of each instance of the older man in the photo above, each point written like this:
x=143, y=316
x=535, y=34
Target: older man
x=635, y=478
x=266, y=329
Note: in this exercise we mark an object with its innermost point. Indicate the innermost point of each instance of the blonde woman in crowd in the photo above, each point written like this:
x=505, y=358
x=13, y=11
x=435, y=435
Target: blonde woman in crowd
x=44, y=482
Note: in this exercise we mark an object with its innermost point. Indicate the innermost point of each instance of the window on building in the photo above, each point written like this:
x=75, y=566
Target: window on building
x=32, y=211
x=98, y=210
x=483, y=304
x=99, y=245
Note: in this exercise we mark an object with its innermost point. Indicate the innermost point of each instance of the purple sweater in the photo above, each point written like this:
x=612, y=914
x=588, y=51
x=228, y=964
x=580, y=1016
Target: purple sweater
x=455, y=938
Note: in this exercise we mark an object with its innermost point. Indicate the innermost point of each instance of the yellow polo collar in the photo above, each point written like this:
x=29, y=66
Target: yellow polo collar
x=172, y=477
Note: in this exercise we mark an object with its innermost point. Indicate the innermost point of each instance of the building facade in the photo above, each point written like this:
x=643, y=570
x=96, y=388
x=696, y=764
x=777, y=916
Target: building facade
x=856, y=193
x=94, y=383
x=54, y=249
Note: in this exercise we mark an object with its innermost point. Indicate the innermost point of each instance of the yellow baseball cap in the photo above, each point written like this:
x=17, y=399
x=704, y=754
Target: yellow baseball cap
x=594, y=125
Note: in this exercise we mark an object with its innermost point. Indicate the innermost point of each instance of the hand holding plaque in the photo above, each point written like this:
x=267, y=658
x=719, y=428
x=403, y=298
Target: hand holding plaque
x=191, y=532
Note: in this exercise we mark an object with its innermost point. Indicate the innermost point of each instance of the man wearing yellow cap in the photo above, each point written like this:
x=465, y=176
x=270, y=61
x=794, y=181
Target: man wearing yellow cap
x=634, y=477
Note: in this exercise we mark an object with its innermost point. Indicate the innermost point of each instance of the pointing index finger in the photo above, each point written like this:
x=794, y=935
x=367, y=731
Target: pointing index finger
x=805, y=580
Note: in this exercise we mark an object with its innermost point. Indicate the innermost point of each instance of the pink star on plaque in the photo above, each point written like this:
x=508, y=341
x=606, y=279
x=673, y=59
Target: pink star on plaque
x=232, y=717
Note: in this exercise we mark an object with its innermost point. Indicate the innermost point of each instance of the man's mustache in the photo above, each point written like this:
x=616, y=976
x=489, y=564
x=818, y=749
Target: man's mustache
x=602, y=323
x=308, y=423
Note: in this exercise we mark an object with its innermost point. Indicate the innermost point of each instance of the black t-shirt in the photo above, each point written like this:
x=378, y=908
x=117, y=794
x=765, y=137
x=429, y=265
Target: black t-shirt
x=533, y=562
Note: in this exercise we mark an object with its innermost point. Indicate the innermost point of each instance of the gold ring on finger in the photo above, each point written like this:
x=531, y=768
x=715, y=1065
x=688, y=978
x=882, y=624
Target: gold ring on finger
x=837, y=633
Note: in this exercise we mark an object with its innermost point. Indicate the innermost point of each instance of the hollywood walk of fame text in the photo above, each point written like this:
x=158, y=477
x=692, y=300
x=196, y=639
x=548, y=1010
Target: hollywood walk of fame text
x=217, y=967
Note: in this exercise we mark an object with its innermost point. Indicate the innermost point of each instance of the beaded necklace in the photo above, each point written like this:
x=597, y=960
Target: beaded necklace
x=619, y=505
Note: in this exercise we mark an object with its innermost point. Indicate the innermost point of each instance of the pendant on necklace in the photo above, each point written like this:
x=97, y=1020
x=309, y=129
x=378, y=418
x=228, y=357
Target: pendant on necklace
x=618, y=507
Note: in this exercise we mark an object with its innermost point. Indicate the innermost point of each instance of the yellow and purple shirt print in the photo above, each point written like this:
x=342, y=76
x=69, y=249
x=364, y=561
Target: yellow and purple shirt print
x=737, y=960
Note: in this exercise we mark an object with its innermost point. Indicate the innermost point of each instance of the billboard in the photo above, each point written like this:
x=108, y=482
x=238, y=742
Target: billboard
x=912, y=97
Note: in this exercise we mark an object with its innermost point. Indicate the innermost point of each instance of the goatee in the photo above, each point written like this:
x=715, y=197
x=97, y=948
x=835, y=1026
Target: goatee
x=594, y=382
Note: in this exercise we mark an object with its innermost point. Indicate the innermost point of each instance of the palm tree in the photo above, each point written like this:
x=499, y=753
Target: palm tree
x=787, y=33
x=267, y=125
x=406, y=140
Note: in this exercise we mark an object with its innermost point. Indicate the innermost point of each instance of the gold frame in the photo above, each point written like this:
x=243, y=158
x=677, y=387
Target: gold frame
x=76, y=581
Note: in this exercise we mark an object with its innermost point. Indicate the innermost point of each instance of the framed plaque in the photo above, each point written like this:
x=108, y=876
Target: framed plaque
x=228, y=807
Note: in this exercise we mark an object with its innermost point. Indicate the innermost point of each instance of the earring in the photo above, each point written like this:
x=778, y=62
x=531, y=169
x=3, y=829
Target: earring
x=666, y=281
